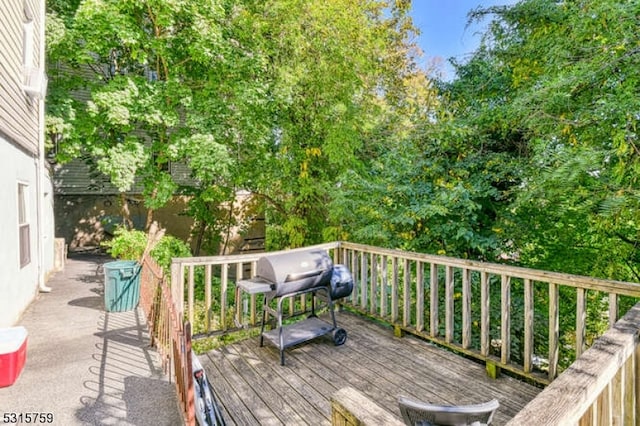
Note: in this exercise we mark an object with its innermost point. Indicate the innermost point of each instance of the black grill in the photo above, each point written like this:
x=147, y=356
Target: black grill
x=293, y=273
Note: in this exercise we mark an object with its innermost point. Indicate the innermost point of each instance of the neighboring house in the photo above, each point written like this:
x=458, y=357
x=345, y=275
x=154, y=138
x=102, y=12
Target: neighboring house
x=26, y=192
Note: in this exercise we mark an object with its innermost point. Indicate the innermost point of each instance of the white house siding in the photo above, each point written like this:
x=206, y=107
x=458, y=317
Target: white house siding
x=18, y=113
x=18, y=285
x=21, y=163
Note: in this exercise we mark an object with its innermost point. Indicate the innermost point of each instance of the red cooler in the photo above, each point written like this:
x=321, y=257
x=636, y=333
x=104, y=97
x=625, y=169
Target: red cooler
x=13, y=353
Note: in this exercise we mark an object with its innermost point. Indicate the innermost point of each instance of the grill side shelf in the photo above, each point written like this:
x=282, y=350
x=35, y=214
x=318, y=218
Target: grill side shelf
x=255, y=286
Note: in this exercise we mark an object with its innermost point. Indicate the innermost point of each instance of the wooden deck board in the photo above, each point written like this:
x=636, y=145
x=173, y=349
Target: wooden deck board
x=253, y=388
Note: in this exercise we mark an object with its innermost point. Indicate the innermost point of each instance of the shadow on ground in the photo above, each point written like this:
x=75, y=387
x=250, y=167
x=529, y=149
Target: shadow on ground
x=126, y=386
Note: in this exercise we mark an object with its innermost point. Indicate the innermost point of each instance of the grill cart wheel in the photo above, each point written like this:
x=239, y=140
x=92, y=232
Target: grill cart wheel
x=339, y=336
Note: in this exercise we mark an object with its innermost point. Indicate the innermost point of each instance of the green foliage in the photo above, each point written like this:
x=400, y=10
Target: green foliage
x=126, y=244
x=332, y=66
x=561, y=76
x=274, y=97
x=438, y=194
x=146, y=69
x=167, y=248
x=130, y=245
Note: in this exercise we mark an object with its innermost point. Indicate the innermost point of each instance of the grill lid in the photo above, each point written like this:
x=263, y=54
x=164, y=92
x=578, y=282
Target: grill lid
x=295, y=270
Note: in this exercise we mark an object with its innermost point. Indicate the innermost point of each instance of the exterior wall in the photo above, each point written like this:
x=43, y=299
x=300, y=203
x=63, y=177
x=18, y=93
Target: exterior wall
x=47, y=228
x=22, y=161
x=86, y=220
x=18, y=285
x=18, y=113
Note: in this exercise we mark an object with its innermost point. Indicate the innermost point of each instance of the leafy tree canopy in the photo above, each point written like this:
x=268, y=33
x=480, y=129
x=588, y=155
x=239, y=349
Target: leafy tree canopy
x=557, y=83
x=276, y=97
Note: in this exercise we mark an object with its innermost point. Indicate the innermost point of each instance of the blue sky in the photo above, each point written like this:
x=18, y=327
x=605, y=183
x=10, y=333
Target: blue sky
x=442, y=24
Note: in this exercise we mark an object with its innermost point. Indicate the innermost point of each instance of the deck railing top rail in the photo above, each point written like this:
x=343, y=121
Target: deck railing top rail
x=242, y=258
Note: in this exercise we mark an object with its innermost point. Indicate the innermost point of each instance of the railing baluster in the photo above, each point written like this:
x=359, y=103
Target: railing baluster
x=373, y=299
x=433, y=311
x=384, y=286
x=554, y=330
x=364, y=297
x=238, y=306
x=190, y=294
x=207, y=295
x=581, y=319
x=420, y=296
x=253, y=310
x=406, y=308
x=224, y=285
x=485, y=312
x=613, y=309
x=355, y=271
x=394, y=291
x=505, y=322
x=449, y=308
x=630, y=392
x=466, y=308
x=528, y=325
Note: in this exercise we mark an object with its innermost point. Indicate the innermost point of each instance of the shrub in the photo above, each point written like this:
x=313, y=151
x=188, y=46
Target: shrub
x=168, y=248
x=126, y=244
x=130, y=244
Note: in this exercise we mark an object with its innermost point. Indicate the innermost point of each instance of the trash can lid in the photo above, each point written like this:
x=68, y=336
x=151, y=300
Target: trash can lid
x=120, y=264
x=11, y=339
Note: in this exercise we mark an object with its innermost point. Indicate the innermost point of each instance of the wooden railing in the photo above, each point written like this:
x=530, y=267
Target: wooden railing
x=450, y=301
x=601, y=388
x=507, y=316
x=220, y=308
x=170, y=334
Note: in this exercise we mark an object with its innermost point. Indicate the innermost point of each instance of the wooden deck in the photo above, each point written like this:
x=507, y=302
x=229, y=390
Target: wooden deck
x=253, y=388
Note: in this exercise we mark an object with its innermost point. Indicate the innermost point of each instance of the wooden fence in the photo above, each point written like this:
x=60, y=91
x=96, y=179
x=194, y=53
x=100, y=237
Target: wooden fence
x=170, y=334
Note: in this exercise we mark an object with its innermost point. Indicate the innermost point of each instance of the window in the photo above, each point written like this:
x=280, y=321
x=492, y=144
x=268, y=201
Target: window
x=23, y=225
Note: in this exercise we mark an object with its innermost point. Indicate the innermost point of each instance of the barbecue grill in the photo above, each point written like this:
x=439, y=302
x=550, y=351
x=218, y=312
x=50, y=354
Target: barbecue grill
x=289, y=274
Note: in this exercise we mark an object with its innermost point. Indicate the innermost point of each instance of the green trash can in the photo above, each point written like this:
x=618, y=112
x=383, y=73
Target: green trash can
x=121, y=285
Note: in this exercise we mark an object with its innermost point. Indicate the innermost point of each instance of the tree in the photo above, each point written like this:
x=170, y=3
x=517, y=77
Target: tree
x=164, y=84
x=275, y=97
x=559, y=81
x=330, y=66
